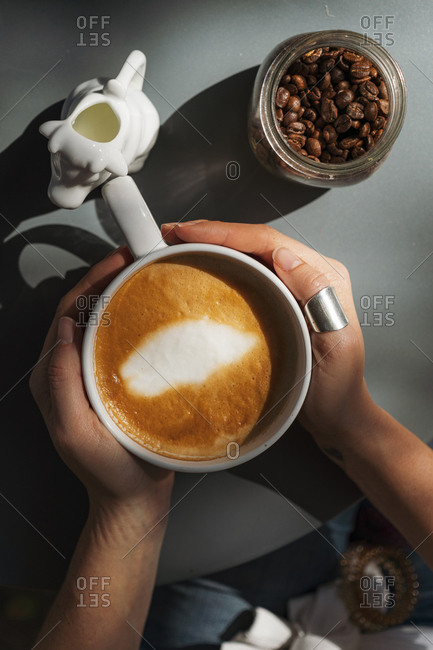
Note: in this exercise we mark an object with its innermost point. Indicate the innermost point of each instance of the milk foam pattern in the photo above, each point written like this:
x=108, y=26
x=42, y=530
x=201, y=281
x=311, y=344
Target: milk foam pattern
x=187, y=352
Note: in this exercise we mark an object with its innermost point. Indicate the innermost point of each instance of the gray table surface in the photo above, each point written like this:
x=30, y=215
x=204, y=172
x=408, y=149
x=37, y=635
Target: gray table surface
x=202, y=58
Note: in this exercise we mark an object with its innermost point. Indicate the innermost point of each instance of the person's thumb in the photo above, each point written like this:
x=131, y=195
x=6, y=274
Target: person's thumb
x=68, y=397
x=302, y=279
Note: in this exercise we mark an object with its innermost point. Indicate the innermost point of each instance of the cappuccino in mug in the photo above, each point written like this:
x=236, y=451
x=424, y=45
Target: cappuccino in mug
x=192, y=355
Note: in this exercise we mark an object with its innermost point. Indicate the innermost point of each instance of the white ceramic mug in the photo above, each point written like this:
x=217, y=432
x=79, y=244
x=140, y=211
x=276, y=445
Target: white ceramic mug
x=144, y=239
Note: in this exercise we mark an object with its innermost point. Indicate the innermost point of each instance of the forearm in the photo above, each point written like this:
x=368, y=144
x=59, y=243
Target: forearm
x=394, y=469
x=105, y=598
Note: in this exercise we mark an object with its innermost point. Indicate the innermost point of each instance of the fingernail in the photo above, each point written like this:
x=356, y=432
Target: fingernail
x=189, y=223
x=285, y=259
x=65, y=330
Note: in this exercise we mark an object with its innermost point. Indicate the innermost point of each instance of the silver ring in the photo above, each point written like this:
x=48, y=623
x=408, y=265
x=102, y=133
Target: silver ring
x=325, y=312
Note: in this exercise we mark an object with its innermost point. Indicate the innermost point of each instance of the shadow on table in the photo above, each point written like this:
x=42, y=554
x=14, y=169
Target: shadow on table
x=297, y=468
x=202, y=165
x=43, y=505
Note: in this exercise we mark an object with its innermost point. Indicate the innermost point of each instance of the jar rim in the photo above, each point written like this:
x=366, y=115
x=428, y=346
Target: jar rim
x=287, y=52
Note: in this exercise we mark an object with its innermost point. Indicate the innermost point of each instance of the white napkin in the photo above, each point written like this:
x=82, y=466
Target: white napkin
x=320, y=621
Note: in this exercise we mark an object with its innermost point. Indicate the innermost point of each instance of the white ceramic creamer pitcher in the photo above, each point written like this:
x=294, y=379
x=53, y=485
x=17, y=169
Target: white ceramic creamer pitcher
x=106, y=128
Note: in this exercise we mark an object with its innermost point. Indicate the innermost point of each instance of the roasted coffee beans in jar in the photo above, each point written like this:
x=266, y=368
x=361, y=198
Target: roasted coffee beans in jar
x=326, y=108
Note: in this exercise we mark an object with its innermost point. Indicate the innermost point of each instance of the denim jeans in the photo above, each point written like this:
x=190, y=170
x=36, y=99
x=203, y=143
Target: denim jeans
x=197, y=612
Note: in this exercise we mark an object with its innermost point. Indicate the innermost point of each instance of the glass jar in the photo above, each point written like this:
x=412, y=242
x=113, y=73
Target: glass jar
x=267, y=141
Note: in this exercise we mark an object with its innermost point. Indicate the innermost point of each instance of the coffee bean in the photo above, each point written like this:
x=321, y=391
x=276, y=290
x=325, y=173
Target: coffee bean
x=356, y=124
x=355, y=111
x=337, y=75
x=356, y=152
x=291, y=88
x=348, y=143
x=362, y=100
x=310, y=114
x=356, y=82
x=360, y=70
x=325, y=157
x=330, y=134
x=324, y=82
x=369, y=142
x=320, y=122
x=299, y=81
x=343, y=123
x=332, y=54
x=315, y=94
x=326, y=65
x=364, y=130
x=309, y=127
x=313, y=147
x=383, y=106
x=383, y=92
x=298, y=67
x=301, y=112
x=370, y=111
x=298, y=137
x=293, y=103
x=368, y=89
x=282, y=97
x=334, y=150
x=343, y=64
x=279, y=114
x=352, y=57
x=343, y=85
x=303, y=152
x=373, y=72
x=313, y=69
x=312, y=56
x=328, y=110
x=329, y=93
x=305, y=101
x=311, y=80
x=290, y=117
x=378, y=135
x=286, y=80
x=297, y=146
x=344, y=98
x=315, y=158
x=379, y=123
x=296, y=127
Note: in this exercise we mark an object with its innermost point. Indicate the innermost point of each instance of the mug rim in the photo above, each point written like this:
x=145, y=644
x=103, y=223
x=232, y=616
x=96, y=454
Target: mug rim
x=178, y=464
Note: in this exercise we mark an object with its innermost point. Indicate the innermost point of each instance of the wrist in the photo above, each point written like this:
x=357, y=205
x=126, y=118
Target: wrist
x=352, y=430
x=120, y=522
x=138, y=510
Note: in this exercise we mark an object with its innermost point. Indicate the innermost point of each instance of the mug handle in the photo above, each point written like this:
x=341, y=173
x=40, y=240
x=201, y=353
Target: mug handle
x=131, y=213
x=133, y=71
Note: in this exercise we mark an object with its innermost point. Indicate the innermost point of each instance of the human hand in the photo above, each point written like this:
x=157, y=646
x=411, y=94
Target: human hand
x=113, y=477
x=337, y=400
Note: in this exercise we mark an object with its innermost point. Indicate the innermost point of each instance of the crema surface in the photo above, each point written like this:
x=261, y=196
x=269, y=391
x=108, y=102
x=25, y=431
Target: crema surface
x=186, y=360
